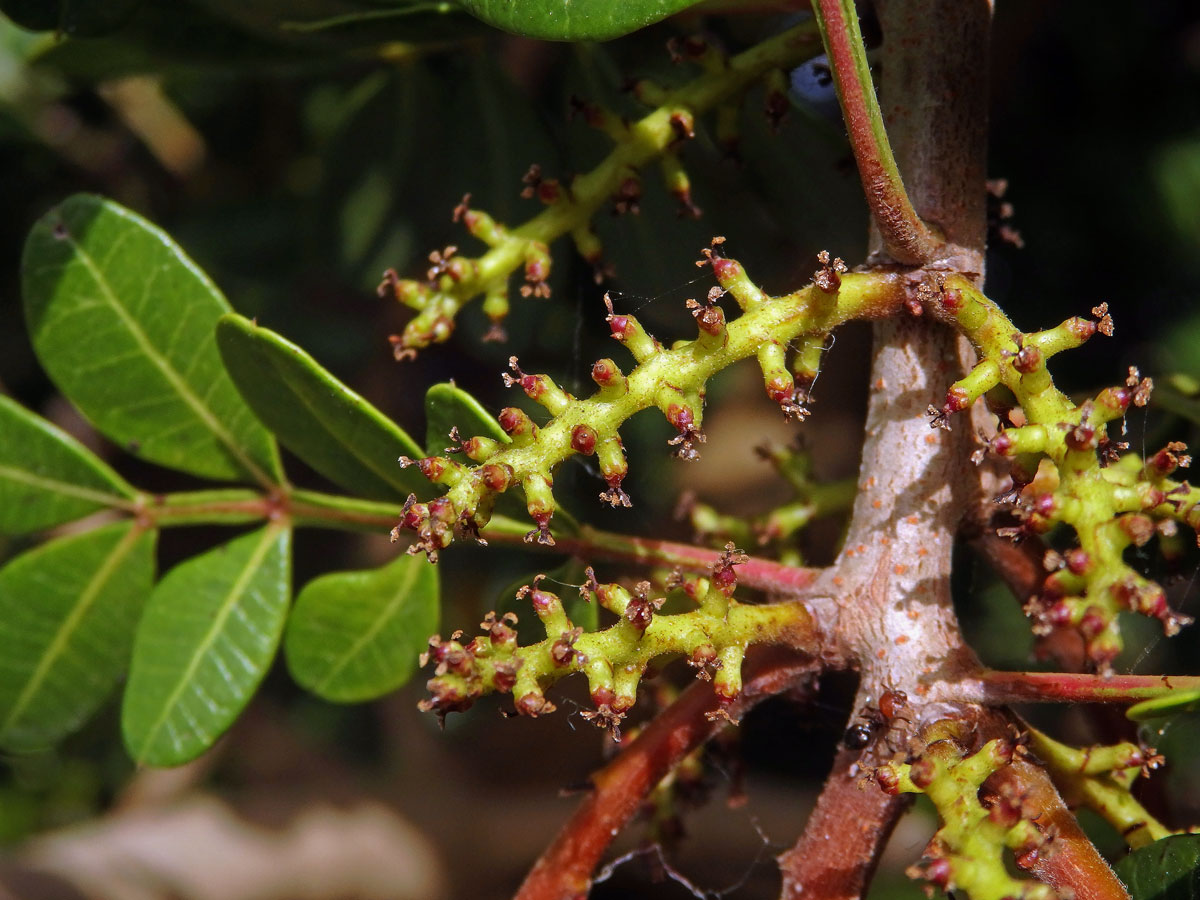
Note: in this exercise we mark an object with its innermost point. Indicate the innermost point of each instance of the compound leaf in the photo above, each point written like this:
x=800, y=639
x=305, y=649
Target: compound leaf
x=448, y=406
x=355, y=636
x=1168, y=869
x=123, y=322
x=574, y=20
x=317, y=417
x=47, y=477
x=68, y=610
x=206, y=639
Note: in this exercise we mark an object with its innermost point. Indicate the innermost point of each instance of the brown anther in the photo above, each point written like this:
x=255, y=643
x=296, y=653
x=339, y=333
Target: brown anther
x=606, y=717
x=710, y=253
x=627, y=197
x=828, y=278
x=1141, y=386
x=441, y=262
x=1105, y=322
x=940, y=418
x=390, y=282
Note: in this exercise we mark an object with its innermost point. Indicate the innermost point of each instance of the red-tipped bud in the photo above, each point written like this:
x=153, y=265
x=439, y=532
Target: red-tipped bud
x=1082, y=437
x=1093, y=623
x=605, y=372
x=957, y=399
x=622, y=330
x=939, y=873
x=1137, y=528
x=889, y=779
x=583, y=439
x=781, y=389
x=952, y=300
x=680, y=416
x=1079, y=562
x=496, y=477
x=537, y=269
x=1116, y=399
x=1082, y=329
x=515, y=422
x=726, y=270
x=533, y=705
x=1027, y=360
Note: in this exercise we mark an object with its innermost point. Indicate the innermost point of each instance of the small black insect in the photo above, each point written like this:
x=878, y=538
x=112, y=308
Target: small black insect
x=857, y=736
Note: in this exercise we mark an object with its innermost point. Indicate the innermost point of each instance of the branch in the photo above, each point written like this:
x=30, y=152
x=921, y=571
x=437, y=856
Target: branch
x=564, y=871
x=839, y=869
x=1002, y=688
x=905, y=237
x=1074, y=864
x=755, y=573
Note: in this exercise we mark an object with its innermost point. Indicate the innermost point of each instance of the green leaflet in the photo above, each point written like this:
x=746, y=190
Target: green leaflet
x=68, y=610
x=317, y=417
x=123, y=322
x=448, y=406
x=47, y=477
x=1167, y=705
x=574, y=20
x=206, y=639
x=355, y=636
x=1168, y=869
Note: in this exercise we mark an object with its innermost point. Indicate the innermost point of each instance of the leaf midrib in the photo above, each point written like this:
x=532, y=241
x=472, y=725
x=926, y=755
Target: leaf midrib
x=370, y=634
x=367, y=462
x=24, y=476
x=62, y=637
x=235, y=593
x=173, y=378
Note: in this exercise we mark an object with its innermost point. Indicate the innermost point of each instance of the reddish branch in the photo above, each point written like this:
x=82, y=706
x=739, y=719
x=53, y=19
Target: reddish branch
x=905, y=237
x=564, y=871
x=1001, y=688
x=837, y=855
x=755, y=573
x=1071, y=864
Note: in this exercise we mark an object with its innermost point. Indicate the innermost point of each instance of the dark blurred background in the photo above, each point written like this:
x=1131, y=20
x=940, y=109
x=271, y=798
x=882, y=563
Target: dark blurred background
x=295, y=174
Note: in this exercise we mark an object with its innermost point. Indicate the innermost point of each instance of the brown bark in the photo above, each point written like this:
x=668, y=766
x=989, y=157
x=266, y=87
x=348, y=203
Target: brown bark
x=840, y=848
x=916, y=484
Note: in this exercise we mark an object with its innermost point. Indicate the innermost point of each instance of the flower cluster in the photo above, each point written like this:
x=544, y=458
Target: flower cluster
x=453, y=280
x=713, y=637
x=967, y=852
x=672, y=380
x=1068, y=470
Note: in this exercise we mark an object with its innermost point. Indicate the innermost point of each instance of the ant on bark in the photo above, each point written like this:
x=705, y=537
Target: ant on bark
x=877, y=721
